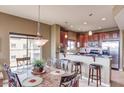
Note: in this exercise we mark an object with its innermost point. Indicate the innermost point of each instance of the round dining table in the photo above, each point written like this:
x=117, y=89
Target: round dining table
x=51, y=78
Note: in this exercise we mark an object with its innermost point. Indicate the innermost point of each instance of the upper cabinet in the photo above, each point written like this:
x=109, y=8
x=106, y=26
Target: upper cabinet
x=63, y=37
x=84, y=40
x=98, y=37
x=114, y=35
x=67, y=35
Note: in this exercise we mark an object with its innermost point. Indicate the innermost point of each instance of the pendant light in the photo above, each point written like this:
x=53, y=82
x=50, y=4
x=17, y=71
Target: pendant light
x=90, y=33
x=39, y=39
x=66, y=26
x=66, y=36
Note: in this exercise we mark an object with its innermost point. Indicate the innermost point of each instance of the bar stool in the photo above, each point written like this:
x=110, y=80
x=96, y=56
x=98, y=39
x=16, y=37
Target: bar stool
x=96, y=77
x=76, y=67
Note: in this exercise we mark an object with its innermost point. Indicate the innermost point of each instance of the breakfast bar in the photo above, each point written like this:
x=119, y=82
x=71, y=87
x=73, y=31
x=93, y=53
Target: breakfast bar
x=105, y=62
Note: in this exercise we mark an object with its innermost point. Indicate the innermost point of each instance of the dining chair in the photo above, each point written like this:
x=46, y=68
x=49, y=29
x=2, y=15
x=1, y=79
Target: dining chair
x=21, y=62
x=70, y=80
x=49, y=62
x=12, y=77
x=64, y=64
x=58, y=64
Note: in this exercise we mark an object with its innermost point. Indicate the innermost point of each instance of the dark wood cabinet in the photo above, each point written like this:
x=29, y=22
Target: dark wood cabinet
x=63, y=37
x=84, y=38
x=98, y=37
x=114, y=35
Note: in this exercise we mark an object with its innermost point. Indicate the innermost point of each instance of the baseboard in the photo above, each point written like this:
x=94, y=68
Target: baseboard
x=106, y=85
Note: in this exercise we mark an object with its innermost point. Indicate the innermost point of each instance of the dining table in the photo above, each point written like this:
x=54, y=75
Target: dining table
x=51, y=77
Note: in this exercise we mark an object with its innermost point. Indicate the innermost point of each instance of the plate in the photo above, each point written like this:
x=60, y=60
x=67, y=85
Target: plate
x=58, y=72
x=32, y=81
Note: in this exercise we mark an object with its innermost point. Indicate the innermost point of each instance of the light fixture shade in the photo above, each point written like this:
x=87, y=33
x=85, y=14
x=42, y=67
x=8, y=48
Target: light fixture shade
x=66, y=36
x=90, y=33
x=40, y=41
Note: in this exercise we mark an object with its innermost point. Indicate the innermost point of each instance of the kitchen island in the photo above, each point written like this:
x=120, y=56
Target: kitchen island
x=105, y=62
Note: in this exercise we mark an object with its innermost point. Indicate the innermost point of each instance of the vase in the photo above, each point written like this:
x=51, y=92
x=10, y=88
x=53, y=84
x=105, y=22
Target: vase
x=38, y=69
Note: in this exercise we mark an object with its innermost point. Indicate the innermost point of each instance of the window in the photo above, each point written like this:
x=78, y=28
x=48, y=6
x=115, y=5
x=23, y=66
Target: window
x=71, y=45
x=23, y=46
x=13, y=45
x=13, y=57
x=36, y=55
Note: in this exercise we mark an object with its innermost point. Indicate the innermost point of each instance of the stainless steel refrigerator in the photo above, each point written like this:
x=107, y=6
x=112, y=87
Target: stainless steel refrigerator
x=113, y=48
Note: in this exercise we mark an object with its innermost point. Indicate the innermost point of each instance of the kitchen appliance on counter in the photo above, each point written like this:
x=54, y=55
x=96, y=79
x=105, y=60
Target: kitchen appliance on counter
x=111, y=48
x=94, y=52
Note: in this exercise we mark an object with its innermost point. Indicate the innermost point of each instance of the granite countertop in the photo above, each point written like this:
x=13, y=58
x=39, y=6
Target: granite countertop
x=92, y=55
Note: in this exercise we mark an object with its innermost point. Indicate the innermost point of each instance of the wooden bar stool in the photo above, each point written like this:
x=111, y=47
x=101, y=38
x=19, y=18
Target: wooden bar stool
x=96, y=77
x=76, y=67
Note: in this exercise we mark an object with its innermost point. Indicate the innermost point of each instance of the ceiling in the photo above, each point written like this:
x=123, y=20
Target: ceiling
x=71, y=17
x=120, y=19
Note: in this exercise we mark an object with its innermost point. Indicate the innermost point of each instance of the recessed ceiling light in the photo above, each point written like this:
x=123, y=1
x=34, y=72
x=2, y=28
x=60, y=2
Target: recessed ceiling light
x=99, y=27
x=79, y=29
x=103, y=19
x=85, y=23
x=71, y=26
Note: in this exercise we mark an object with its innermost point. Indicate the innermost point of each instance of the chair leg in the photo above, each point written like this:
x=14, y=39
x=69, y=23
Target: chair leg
x=67, y=67
x=97, y=77
x=89, y=76
x=92, y=74
x=100, y=75
x=71, y=67
x=75, y=68
x=81, y=70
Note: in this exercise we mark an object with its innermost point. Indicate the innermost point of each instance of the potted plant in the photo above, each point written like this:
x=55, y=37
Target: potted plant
x=38, y=65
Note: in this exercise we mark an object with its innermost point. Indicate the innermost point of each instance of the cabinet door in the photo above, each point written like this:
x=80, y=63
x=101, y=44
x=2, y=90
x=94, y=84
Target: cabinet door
x=63, y=38
x=96, y=37
x=82, y=40
x=115, y=35
x=86, y=40
x=107, y=37
x=101, y=36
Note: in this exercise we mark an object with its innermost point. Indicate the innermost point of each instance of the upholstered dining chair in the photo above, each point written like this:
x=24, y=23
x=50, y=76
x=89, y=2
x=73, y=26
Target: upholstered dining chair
x=12, y=77
x=70, y=80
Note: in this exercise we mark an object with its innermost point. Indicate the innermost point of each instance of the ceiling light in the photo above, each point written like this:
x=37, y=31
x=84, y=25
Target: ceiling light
x=85, y=23
x=39, y=39
x=100, y=27
x=66, y=36
x=79, y=29
x=71, y=26
x=103, y=19
x=90, y=33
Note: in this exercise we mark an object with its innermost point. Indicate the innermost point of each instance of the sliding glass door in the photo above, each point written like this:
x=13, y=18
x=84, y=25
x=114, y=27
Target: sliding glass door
x=23, y=46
